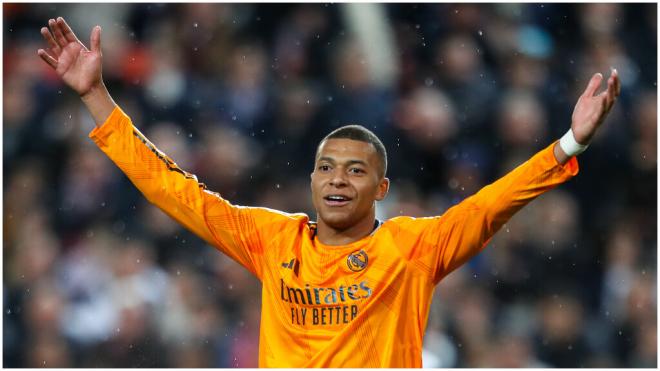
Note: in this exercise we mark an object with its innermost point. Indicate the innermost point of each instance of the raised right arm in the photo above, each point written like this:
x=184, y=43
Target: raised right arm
x=235, y=230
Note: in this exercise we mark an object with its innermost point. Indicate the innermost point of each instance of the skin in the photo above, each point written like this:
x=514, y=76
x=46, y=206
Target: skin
x=350, y=168
x=81, y=69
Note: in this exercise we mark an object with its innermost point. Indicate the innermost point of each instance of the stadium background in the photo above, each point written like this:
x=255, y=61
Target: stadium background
x=240, y=95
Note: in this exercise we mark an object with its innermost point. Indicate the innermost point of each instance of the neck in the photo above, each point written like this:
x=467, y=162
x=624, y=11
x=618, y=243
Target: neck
x=329, y=235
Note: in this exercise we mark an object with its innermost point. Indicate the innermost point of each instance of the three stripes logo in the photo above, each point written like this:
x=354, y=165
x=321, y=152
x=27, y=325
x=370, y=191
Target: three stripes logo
x=293, y=265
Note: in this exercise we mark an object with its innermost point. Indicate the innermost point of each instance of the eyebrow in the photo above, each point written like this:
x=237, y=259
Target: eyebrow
x=349, y=162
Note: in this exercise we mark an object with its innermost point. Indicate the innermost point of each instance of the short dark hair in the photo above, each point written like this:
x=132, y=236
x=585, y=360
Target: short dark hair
x=362, y=134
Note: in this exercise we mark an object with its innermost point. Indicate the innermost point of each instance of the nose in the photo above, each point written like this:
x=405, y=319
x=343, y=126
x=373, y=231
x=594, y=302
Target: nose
x=338, y=179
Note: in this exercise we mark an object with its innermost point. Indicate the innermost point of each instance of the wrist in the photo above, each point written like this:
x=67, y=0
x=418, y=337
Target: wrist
x=96, y=91
x=99, y=103
x=570, y=145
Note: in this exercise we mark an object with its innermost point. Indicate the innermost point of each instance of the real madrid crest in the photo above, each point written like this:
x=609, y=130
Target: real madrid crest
x=357, y=260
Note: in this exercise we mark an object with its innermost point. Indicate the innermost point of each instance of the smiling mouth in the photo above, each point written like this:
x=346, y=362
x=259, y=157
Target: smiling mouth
x=336, y=200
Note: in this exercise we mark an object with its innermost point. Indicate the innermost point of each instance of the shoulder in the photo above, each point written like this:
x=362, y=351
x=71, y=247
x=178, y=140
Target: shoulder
x=400, y=221
x=407, y=226
x=265, y=215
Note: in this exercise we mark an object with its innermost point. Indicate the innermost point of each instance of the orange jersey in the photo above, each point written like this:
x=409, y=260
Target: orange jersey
x=364, y=304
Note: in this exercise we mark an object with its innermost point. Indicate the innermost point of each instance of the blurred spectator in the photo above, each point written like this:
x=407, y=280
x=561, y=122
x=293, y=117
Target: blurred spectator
x=240, y=95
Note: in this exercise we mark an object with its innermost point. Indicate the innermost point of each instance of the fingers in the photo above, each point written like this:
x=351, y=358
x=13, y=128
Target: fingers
x=617, y=81
x=594, y=83
x=613, y=90
x=66, y=30
x=57, y=33
x=95, y=39
x=52, y=45
x=47, y=58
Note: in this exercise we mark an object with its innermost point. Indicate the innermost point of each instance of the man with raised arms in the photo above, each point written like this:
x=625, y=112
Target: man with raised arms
x=347, y=290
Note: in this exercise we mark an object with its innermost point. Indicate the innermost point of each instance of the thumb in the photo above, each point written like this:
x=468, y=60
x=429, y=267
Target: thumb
x=95, y=39
x=594, y=83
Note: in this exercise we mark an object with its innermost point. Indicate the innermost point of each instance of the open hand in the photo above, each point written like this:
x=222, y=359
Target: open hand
x=591, y=110
x=79, y=67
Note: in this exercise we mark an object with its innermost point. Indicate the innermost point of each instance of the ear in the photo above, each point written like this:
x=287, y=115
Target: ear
x=383, y=188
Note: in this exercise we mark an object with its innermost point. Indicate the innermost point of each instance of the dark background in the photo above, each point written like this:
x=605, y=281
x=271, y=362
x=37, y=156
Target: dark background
x=240, y=95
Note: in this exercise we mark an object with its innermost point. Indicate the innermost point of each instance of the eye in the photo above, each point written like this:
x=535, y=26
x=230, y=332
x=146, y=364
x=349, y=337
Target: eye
x=324, y=168
x=356, y=170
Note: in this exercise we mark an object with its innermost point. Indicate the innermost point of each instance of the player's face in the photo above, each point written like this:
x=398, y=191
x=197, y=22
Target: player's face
x=346, y=182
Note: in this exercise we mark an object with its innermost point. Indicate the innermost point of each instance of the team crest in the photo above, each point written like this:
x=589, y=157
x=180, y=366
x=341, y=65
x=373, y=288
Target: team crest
x=357, y=261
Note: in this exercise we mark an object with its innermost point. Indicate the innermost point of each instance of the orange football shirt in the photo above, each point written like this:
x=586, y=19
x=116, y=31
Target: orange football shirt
x=364, y=304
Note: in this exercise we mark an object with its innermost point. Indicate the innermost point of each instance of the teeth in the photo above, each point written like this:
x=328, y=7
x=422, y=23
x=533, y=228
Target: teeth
x=336, y=198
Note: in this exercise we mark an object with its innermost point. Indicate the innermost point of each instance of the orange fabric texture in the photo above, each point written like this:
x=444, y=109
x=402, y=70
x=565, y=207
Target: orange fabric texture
x=365, y=304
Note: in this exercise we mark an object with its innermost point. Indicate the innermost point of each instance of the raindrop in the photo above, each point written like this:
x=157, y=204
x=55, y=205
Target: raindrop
x=137, y=261
x=307, y=101
x=178, y=272
x=8, y=311
x=195, y=25
x=277, y=186
x=234, y=117
x=102, y=204
x=330, y=98
x=428, y=81
x=230, y=286
x=190, y=135
x=417, y=26
x=481, y=33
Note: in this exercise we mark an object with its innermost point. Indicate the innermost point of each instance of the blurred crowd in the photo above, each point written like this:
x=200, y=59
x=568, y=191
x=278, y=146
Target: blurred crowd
x=241, y=94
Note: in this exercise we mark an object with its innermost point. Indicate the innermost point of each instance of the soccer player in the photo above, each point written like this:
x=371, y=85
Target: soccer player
x=347, y=290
